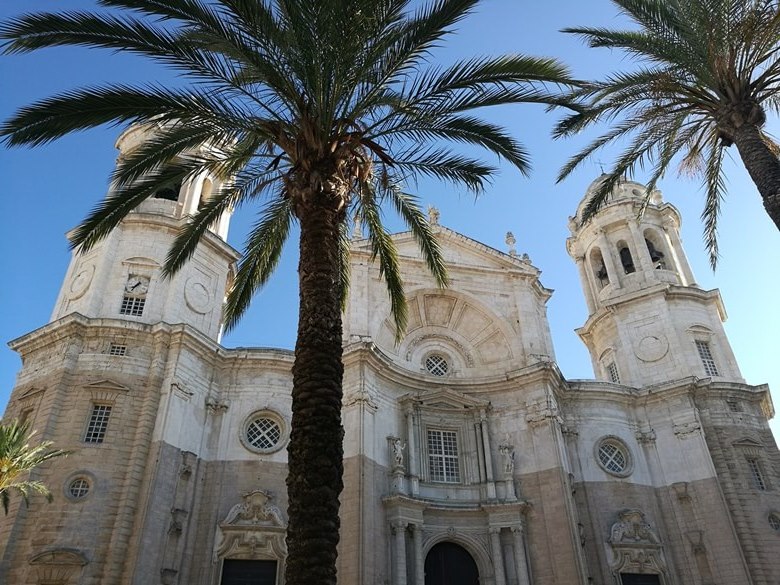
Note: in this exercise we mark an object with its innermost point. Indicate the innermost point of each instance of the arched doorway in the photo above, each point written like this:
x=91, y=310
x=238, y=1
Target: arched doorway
x=450, y=564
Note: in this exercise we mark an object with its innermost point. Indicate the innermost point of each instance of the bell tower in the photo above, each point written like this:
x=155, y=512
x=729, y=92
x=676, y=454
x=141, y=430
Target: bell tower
x=648, y=320
x=121, y=277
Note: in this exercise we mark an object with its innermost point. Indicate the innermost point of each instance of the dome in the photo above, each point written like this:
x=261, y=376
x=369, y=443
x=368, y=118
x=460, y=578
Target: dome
x=625, y=189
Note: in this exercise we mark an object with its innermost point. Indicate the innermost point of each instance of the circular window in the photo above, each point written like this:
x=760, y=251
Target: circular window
x=78, y=488
x=436, y=365
x=614, y=457
x=263, y=432
x=774, y=522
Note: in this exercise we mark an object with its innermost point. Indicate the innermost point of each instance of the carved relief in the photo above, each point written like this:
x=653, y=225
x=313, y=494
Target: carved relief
x=636, y=546
x=253, y=529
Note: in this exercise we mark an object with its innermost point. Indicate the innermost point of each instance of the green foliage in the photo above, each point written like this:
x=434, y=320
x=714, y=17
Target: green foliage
x=707, y=67
x=279, y=89
x=18, y=458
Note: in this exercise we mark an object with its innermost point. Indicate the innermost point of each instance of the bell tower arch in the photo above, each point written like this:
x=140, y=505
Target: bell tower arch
x=121, y=277
x=648, y=320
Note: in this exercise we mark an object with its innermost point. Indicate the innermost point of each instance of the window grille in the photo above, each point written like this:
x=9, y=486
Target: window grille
x=133, y=306
x=774, y=522
x=706, y=358
x=263, y=433
x=98, y=423
x=78, y=488
x=117, y=349
x=436, y=365
x=614, y=375
x=612, y=457
x=443, y=456
x=756, y=475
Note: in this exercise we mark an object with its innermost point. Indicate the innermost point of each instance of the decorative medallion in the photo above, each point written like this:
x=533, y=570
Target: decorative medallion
x=197, y=296
x=81, y=281
x=652, y=348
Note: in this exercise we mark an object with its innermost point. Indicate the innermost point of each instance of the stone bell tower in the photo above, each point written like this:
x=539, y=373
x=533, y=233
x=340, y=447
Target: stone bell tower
x=121, y=277
x=648, y=320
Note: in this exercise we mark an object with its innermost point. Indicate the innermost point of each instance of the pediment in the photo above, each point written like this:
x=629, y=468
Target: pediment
x=446, y=399
x=30, y=392
x=748, y=442
x=458, y=250
x=140, y=261
x=106, y=384
x=61, y=556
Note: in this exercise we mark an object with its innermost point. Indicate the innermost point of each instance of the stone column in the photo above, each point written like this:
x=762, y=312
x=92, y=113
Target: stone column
x=607, y=254
x=521, y=563
x=412, y=452
x=642, y=255
x=674, y=243
x=587, y=284
x=399, y=561
x=419, y=561
x=498, y=557
x=491, y=482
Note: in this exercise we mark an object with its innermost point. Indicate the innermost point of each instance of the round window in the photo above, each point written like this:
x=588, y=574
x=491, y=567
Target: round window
x=263, y=432
x=614, y=457
x=436, y=365
x=78, y=488
x=774, y=522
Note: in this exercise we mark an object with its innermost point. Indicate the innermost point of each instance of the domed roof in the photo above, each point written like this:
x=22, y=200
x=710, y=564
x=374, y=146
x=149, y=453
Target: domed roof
x=625, y=189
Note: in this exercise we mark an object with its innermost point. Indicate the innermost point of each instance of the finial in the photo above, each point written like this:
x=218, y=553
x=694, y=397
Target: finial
x=433, y=215
x=510, y=242
x=357, y=231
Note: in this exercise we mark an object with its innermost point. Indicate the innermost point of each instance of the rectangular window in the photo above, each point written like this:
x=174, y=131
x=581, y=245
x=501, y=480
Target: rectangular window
x=443, y=456
x=98, y=423
x=706, y=358
x=614, y=376
x=132, y=306
x=117, y=349
x=756, y=475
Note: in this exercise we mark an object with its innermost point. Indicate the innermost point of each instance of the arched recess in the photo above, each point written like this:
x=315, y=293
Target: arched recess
x=598, y=268
x=626, y=258
x=448, y=563
x=659, y=255
x=468, y=544
x=59, y=566
x=253, y=530
x=454, y=325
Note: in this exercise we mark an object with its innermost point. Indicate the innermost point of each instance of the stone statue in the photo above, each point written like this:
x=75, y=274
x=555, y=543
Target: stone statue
x=508, y=453
x=433, y=215
x=510, y=242
x=398, y=452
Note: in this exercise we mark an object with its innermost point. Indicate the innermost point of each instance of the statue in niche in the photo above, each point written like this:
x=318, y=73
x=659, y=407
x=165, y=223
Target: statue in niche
x=398, y=452
x=508, y=454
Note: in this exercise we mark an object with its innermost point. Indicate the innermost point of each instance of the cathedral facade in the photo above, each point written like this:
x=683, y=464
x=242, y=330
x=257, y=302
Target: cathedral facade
x=469, y=458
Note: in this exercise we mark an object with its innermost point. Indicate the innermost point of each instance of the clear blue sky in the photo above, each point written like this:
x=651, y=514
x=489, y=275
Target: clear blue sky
x=47, y=191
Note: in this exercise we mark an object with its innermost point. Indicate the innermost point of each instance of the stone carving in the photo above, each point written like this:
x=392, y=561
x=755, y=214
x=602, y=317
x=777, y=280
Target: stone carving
x=361, y=396
x=508, y=455
x=632, y=527
x=685, y=429
x=510, y=242
x=178, y=516
x=397, y=449
x=255, y=509
x=652, y=348
x=254, y=528
x=636, y=546
x=433, y=215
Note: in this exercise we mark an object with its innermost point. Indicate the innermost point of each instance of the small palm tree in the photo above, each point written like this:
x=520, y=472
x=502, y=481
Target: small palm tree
x=321, y=112
x=18, y=458
x=709, y=75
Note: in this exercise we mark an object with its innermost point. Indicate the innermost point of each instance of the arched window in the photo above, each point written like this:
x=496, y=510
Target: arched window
x=169, y=192
x=625, y=257
x=654, y=248
x=205, y=193
x=599, y=268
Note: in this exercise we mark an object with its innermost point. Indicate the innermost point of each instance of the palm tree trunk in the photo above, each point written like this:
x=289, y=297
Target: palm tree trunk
x=315, y=452
x=763, y=166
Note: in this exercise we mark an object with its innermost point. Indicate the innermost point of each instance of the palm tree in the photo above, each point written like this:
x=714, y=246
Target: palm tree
x=18, y=458
x=319, y=111
x=709, y=74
